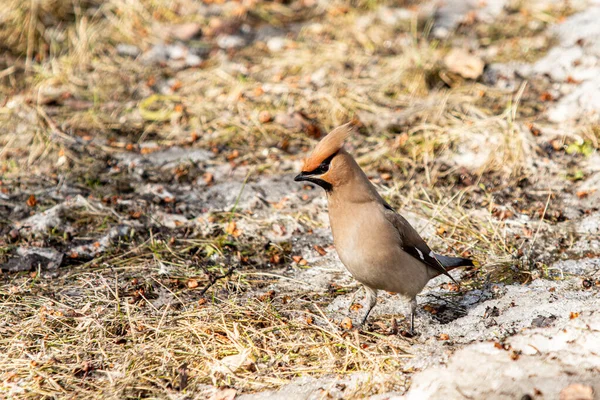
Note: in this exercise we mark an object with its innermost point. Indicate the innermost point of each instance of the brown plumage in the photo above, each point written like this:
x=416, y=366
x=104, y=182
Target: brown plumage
x=377, y=245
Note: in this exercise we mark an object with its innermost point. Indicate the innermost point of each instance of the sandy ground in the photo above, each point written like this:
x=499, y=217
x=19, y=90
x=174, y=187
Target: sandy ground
x=176, y=257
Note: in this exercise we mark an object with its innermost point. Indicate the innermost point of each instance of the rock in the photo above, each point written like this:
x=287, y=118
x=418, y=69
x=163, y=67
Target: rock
x=178, y=55
x=193, y=60
x=176, y=52
x=185, y=31
x=33, y=258
x=155, y=55
x=230, y=41
x=319, y=77
x=91, y=250
x=538, y=360
x=167, y=158
x=128, y=50
x=230, y=364
x=276, y=44
x=51, y=218
x=393, y=16
x=450, y=13
x=577, y=391
x=308, y=388
x=584, y=267
x=463, y=63
x=583, y=102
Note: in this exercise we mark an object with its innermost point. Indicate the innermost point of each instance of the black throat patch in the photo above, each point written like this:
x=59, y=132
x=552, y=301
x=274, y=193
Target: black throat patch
x=325, y=185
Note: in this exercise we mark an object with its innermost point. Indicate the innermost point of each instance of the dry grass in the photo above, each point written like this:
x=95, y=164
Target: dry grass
x=122, y=329
x=134, y=322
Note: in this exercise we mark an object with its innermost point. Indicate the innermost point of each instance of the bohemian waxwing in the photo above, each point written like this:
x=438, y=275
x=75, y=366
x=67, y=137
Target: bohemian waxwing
x=375, y=243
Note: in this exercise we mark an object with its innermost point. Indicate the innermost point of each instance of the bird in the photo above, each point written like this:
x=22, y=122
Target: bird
x=377, y=245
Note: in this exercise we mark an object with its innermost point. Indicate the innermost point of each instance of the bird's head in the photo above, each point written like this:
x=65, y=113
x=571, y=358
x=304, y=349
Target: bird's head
x=327, y=165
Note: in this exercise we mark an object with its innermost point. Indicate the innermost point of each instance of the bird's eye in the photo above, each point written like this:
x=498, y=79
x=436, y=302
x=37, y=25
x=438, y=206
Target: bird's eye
x=321, y=169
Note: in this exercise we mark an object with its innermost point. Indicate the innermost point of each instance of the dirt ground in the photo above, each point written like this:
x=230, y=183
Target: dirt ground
x=153, y=242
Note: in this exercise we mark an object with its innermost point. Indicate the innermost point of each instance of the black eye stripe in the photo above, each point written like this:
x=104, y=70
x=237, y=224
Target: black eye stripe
x=323, y=167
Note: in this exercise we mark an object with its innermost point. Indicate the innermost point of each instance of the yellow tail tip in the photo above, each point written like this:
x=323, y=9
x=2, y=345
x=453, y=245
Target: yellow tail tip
x=476, y=263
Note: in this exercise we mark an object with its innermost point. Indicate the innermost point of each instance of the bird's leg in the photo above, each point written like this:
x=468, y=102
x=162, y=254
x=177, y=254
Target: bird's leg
x=371, y=296
x=353, y=298
x=413, y=310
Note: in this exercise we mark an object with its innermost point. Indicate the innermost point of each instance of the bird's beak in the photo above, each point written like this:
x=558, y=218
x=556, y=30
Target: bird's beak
x=301, y=177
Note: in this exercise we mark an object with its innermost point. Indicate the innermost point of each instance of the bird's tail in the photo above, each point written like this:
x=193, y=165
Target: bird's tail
x=454, y=262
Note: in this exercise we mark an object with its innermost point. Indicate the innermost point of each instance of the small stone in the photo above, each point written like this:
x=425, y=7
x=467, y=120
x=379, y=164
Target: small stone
x=465, y=64
x=264, y=117
x=230, y=41
x=128, y=50
x=577, y=391
x=192, y=60
x=185, y=31
x=276, y=44
x=13, y=235
x=176, y=52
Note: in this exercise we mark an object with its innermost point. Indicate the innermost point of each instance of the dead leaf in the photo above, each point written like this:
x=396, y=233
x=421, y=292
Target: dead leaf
x=464, y=64
x=149, y=150
x=320, y=250
x=570, y=79
x=443, y=336
x=346, y=323
x=429, y=309
x=230, y=364
x=270, y=295
x=31, y=201
x=502, y=214
x=233, y=155
x=401, y=140
x=546, y=96
x=297, y=259
x=209, y=178
x=584, y=193
x=355, y=307
x=534, y=130
x=224, y=394
x=573, y=315
x=192, y=283
x=232, y=229
x=452, y=287
x=176, y=85
x=135, y=214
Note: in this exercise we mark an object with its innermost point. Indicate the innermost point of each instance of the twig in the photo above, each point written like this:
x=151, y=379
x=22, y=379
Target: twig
x=214, y=279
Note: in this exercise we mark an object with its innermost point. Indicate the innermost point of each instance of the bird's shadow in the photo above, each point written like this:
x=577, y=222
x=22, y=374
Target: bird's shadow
x=445, y=307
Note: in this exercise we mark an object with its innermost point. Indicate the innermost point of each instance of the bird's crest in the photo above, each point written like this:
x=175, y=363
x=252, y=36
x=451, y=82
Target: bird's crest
x=327, y=147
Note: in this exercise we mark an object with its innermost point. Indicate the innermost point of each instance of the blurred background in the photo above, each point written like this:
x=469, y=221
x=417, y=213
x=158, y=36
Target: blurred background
x=153, y=242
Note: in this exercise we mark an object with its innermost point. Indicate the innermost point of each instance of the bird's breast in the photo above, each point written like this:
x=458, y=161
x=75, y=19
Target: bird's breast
x=364, y=239
x=370, y=247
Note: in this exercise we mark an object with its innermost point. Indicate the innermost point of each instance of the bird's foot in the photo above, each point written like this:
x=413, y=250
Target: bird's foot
x=408, y=334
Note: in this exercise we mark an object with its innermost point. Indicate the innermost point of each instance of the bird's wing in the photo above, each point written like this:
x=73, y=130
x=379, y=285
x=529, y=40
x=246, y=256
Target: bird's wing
x=412, y=243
